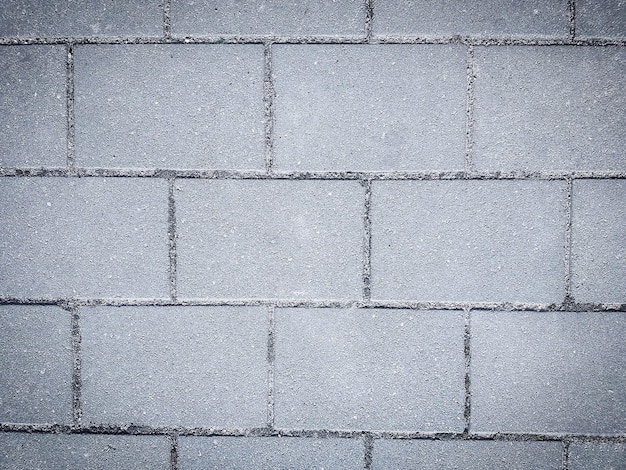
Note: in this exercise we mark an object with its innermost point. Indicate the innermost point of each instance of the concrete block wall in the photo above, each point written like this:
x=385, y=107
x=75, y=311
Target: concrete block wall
x=317, y=234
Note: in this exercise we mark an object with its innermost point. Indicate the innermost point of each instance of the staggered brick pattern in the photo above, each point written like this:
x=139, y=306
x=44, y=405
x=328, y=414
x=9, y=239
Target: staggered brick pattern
x=358, y=234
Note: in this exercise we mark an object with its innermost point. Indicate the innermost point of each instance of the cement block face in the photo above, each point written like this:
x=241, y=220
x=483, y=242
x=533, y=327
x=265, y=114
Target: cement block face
x=100, y=18
x=478, y=241
x=374, y=369
x=479, y=455
x=287, y=239
x=164, y=366
x=267, y=453
x=169, y=106
x=548, y=372
x=557, y=108
x=599, y=241
x=33, y=106
x=268, y=17
x=601, y=19
x=482, y=18
x=83, y=237
x=364, y=107
x=36, y=372
x=22, y=451
x=594, y=455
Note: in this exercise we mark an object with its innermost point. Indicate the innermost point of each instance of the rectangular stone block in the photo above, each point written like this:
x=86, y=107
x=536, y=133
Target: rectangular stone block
x=605, y=19
x=36, y=372
x=62, y=18
x=174, y=366
x=268, y=17
x=549, y=109
x=594, y=455
x=83, y=237
x=170, y=106
x=599, y=241
x=548, y=372
x=369, y=369
x=469, y=241
x=485, y=455
x=33, y=106
x=365, y=108
x=270, y=238
x=203, y=453
x=479, y=18
x=25, y=451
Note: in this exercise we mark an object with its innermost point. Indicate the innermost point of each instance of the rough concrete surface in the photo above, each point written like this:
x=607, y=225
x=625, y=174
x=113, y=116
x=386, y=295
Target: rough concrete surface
x=312, y=234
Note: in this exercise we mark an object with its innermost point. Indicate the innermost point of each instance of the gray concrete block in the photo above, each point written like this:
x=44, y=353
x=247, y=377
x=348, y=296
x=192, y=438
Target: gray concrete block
x=267, y=453
x=555, y=108
x=268, y=17
x=73, y=451
x=83, y=237
x=599, y=241
x=33, y=106
x=251, y=238
x=485, y=455
x=601, y=19
x=372, y=369
x=170, y=106
x=369, y=107
x=168, y=366
x=482, y=18
x=36, y=372
x=594, y=455
x=548, y=372
x=62, y=18
x=472, y=241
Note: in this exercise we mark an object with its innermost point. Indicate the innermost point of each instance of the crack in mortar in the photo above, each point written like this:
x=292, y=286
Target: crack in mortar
x=268, y=100
x=571, y=7
x=171, y=233
x=369, y=20
x=469, y=120
x=69, y=89
x=271, y=338
x=467, y=409
x=367, y=241
x=174, y=451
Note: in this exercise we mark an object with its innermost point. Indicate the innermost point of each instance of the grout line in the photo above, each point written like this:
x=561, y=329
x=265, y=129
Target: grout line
x=569, y=298
x=69, y=85
x=565, y=454
x=174, y=451
x=367, y=242
x=171, y=235
x=268, y=99
x=271, y=338
x=467, y=411
x=368, y=451
x=369, y=19
x=167, y=19
x=469, y=121
x=571, y=6
x=77, y=412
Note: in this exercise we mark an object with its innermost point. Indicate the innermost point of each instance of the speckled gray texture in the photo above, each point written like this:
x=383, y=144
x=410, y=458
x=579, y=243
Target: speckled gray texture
x=601, y=19
x=50, y=18
x=289, y=239
x=88, y=237
x=374, y=369
x=23, y=451
x=174, y=106
x=475, y=455
x=548, y=372
x=549, y=108
x=268, y=17
x=595, y=455
x=599, y=241
x=268, y=453
x=32, y=106
x=188, y=366
x=480, y=241
x=362, y=108
x=478, y=18
x=36, y=365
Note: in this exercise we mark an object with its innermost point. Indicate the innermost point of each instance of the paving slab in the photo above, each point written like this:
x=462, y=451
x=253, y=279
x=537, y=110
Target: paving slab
x=375, y=369
x=601, y=19
x=36, y=372
x=203, y=453
x=366, y=108
x=548, y=372
x=166, y=366
x=33, y=103
x=593, y=455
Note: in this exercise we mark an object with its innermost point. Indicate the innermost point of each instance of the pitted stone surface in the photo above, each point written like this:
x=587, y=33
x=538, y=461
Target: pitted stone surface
x=593, y=455
x=601, y=19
